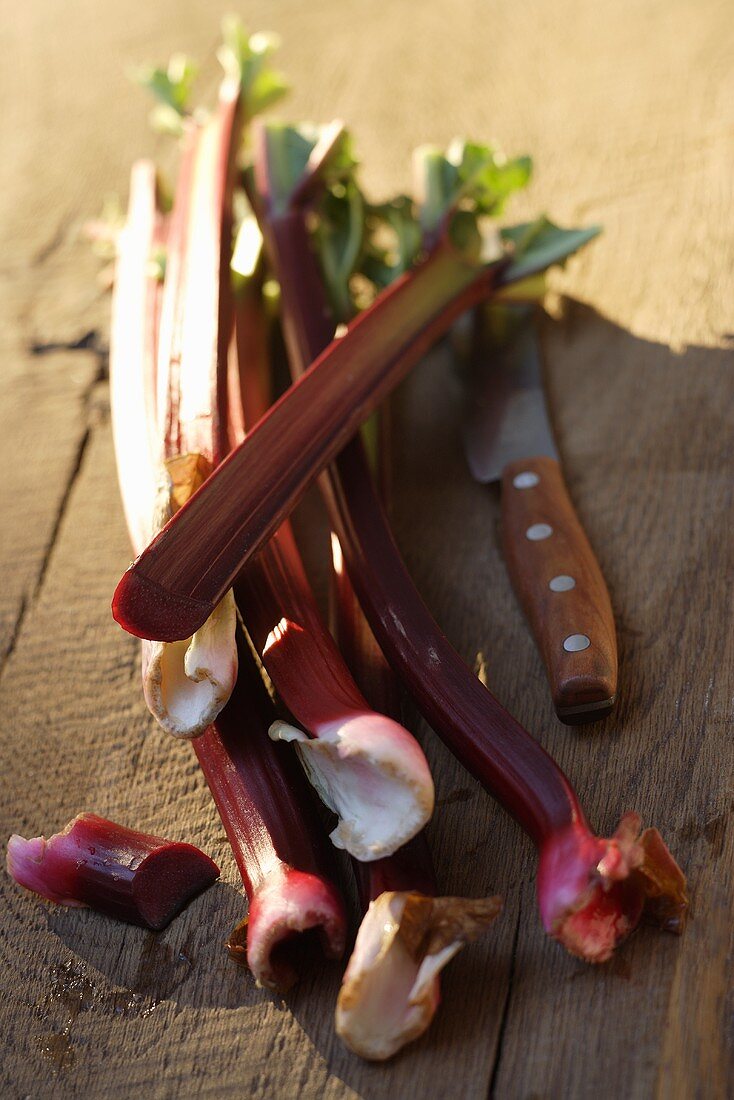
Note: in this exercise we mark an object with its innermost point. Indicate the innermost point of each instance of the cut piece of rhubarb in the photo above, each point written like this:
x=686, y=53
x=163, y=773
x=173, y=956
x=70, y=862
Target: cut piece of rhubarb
x=390, y=990
x=132, y=876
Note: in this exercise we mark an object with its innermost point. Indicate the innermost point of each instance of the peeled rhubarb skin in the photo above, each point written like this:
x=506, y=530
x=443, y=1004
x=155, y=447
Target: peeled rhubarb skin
x=372, y=773
x=134, y=877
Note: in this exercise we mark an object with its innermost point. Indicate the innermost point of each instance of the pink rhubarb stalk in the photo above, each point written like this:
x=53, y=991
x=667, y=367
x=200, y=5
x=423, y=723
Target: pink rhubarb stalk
x=185, y=684
x=392, y=988
x=124, y=874
x=277, y=840
x=365, y=766
x=259, y=791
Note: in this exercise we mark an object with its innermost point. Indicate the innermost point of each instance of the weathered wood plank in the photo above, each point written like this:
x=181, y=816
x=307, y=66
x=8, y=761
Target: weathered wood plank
x=627, y=111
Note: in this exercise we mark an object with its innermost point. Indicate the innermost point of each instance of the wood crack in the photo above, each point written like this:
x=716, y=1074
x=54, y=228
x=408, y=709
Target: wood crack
x=88, y=342
x=14, y=633
x=506, y=1006
x=53, y=243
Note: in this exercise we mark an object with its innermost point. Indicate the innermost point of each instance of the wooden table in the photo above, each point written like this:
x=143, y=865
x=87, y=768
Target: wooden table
x=628, y=110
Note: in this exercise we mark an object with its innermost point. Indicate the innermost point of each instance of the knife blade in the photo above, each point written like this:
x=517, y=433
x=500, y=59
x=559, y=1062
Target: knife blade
x=508, y=438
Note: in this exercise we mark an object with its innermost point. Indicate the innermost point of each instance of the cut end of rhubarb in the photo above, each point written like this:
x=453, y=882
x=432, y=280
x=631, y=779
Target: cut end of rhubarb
x=187, y=683
x=288, y=904
x=168, y=879
x=146, y=609
x=132, y=876
x=594, y=892
x=390, y=990
x=372, y=773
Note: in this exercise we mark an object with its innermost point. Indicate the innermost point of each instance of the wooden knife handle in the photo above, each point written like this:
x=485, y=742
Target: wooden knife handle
x=560, y=586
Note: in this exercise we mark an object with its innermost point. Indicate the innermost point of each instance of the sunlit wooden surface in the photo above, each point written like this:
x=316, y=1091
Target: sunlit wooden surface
x=628, y=110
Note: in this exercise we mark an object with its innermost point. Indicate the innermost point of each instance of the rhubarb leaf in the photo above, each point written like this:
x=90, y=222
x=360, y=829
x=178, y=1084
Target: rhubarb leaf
x=393, y=240
x=244, y=58
x=339, y=237
x=304, y=159
x=171, y=87
x=468, y=176
x=539, y=244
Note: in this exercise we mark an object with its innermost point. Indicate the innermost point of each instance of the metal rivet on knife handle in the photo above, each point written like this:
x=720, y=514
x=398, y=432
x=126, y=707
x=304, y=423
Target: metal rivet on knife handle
x=539, y=531
x=561, y=583
x=575, y=643
x=526, y=480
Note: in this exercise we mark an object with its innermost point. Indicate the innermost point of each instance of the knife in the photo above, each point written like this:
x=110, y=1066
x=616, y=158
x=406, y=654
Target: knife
x=556, y=577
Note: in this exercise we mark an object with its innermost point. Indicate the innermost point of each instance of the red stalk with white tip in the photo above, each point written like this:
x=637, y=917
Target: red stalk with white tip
x=259, y=791
x=365, y=766
x=391, y=988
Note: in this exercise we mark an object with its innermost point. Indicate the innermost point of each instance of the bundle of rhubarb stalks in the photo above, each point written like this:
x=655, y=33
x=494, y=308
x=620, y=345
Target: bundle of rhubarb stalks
x=269, y=233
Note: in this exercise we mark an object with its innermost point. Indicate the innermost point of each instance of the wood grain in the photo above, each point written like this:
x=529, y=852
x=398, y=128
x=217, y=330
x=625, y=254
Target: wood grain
x=628, y=110
x=544, y=546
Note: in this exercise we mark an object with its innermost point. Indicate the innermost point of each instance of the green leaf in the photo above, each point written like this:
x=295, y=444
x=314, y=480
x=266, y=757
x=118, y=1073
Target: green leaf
x=245, y=59
x=339, y=235
x=298, y=155
x=267, y=88
x=539, y=244
x=393, y=240
x=469, y=176
x=171, y=87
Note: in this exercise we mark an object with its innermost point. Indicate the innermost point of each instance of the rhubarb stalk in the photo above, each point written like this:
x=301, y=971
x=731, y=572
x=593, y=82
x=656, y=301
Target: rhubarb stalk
x=187, y=684
x=128, y=875
x=178, y=580
x=367, y=769
x=591, y=891
x=391, y=988
x=274, y=833
x=259, y=791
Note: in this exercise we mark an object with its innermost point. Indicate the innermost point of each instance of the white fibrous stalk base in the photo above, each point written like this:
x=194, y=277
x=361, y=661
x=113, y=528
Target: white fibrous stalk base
x=187, y=683
x=373, y=775
x=391, y=989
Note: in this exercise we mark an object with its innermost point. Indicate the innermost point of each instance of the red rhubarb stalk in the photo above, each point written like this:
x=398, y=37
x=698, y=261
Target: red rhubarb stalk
x=591, y=891
x=259, y=791
x=366, y=767
x=124, y=874
x=178, y=580
x=273, y=830
x=392, y=988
